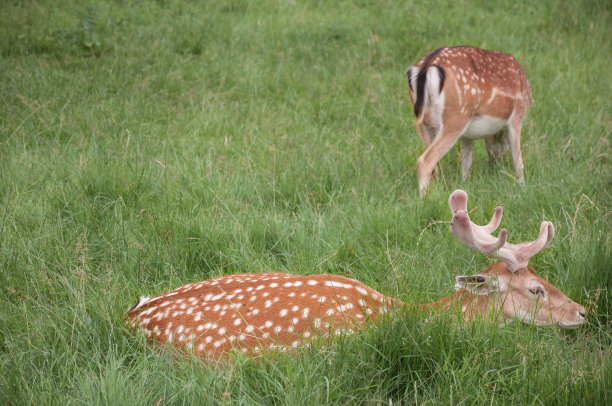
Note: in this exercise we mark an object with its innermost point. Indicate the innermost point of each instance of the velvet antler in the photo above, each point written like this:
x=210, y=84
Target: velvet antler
x=479, y=238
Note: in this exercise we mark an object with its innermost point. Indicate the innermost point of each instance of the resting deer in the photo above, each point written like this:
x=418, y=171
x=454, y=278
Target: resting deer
x=467, y=93
x=253, y=313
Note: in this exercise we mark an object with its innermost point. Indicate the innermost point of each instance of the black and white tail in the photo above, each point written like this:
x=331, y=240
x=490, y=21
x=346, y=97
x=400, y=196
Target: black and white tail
x=432, y=76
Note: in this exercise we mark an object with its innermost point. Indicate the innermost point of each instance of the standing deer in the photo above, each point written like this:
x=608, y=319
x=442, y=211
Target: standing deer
x=467, y=93
x=254, y=313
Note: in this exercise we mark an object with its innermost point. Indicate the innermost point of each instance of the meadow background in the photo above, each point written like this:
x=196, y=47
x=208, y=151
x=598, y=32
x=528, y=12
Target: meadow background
x=148, y=144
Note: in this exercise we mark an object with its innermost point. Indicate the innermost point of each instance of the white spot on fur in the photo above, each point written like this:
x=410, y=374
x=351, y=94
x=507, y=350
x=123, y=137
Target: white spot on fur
x=335, y=284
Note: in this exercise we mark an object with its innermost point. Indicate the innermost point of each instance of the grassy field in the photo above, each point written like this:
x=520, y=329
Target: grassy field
x=148, y=144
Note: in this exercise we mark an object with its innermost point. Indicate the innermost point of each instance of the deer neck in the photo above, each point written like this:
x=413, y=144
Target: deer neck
x=470, y=305
x=453, y=301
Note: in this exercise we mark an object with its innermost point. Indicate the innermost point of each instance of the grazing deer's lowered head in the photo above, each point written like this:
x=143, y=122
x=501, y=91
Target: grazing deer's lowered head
x=467, y=93
x=254, y=313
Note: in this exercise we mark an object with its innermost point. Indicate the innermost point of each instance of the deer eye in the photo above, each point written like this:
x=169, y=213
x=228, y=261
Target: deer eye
x=537, y=291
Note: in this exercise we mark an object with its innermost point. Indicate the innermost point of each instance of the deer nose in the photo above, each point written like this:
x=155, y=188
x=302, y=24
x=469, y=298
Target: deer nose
x=582, y=313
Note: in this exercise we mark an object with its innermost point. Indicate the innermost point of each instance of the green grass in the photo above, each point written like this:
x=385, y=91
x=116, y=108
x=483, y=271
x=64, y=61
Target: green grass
x=144, y=145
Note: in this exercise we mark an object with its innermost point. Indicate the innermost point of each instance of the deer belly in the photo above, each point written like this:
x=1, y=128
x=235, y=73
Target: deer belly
x=482, y=126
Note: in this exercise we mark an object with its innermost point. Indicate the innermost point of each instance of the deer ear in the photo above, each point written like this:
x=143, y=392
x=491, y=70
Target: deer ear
x=480, y=284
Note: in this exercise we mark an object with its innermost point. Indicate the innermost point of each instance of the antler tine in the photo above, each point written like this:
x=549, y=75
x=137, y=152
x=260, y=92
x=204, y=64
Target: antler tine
x=517, y=256
x=458, y=201
x=479, y=238
x=551, y=234
x=495, y=220
x=529, y=249
x=474, y=237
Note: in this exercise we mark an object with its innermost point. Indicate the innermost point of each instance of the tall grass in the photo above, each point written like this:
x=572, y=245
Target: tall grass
x=148, y=144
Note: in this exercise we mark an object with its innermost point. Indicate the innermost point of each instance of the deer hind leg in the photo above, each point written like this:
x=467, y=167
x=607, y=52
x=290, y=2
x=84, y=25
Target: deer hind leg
x=427, y=135
x=446, y=138
x=514, y=139
x=466, y=157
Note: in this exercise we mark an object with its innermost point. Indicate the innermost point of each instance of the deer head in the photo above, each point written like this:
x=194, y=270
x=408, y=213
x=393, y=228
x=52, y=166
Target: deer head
x=510, y=288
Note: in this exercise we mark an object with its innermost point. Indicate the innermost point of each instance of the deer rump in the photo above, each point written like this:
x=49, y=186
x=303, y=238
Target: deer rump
x=429, y=85
x=418, y=81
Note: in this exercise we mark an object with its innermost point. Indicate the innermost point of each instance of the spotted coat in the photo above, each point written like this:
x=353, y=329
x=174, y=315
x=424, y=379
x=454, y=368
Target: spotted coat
x=252, y=313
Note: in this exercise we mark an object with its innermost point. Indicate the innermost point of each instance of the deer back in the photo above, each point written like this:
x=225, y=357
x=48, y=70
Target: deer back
x=476, y=82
